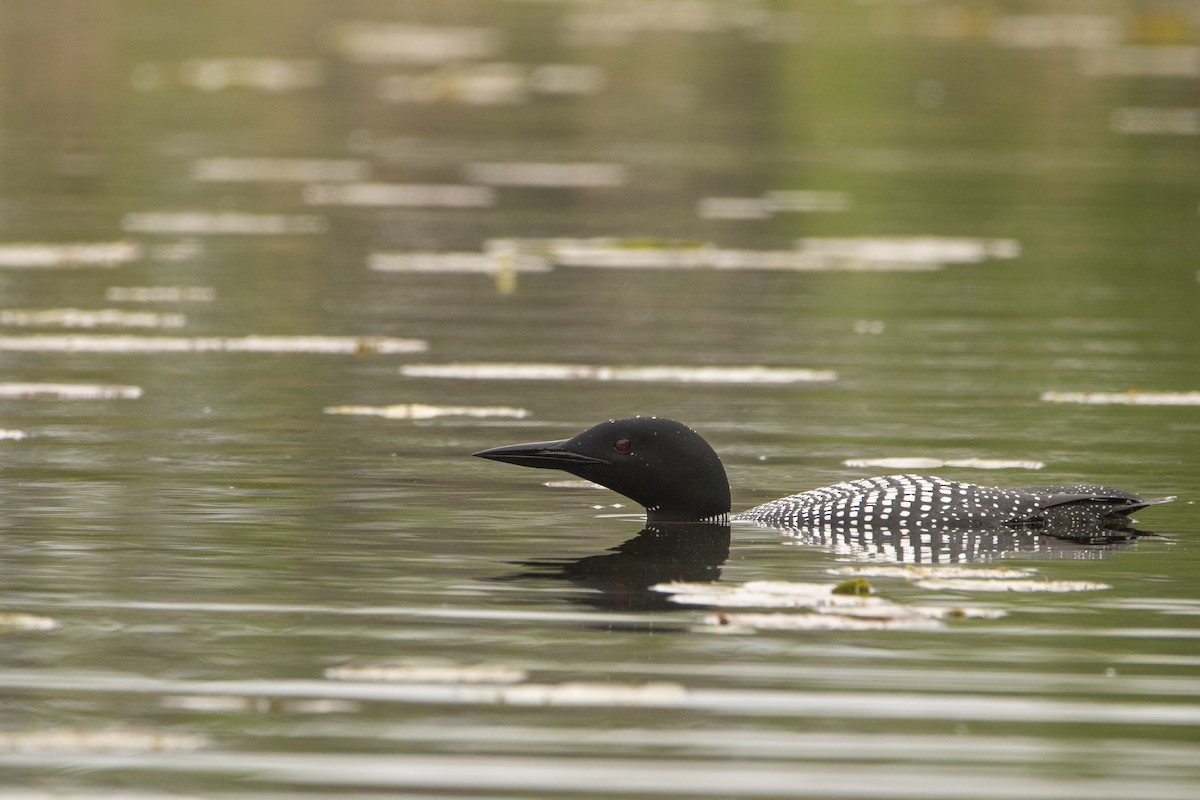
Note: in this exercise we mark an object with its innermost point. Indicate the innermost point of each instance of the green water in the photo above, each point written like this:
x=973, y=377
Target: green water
x=198, y=558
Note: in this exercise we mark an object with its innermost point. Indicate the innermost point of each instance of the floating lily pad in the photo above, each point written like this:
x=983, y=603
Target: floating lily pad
x=859, y=587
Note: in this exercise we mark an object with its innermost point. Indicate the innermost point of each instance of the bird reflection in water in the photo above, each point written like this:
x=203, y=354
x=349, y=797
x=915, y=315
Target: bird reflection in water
x=622, y=578
x=967, y=545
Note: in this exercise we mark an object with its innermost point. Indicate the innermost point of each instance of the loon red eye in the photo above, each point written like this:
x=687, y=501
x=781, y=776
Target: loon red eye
x=622, y=445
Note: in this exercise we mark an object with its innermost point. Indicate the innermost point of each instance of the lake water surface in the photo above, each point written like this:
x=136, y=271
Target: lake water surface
x=270, y=272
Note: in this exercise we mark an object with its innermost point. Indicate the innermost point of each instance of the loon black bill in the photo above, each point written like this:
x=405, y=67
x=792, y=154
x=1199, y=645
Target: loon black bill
x=546, y=455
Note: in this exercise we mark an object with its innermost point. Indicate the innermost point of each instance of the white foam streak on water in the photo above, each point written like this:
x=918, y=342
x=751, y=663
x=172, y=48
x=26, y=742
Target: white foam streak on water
x=1162, y=61
x=923, y=462
x=184, y=249
x=870, y=254
x=1007, y=585
x=108, y=740
x=160, y=294
x=221, y=223
x=771, y=594
x=772, y=203
x=417, y=612
x=1174, y=606
x=587, y=372
x=1156, y=121
x=486, y=263
x=732, y=208
x=567, y=79
x=419, y=411
x=1038, y=31
x=891, y=571
x=419, y=672
x=25, y=622
x=912, y=249
x=833, y=610
x=331, y=345
x=600, y=256
x=217, y=74
x=1129, y=398
x=222, y=704
x=573, y=485
x=373, y=42
x=743, y=622
x=491, y=84
x=616, y=23
x=805, y=200
x=402, y=195
x=68, y=391
x=544, y=175
x=89, y=318
x=48, y=256
x=303, y=170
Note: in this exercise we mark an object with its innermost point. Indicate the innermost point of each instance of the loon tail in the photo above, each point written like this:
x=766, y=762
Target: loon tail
x=1114, y=502
x=1126, y=510
x=1094, y=514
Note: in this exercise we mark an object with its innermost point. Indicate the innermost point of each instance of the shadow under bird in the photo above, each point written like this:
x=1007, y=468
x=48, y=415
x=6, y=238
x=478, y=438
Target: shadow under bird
x=676, y=476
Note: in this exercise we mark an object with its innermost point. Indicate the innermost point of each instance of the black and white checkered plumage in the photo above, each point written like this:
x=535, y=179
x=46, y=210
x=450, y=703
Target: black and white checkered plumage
x=925, y=503
x=670, y=470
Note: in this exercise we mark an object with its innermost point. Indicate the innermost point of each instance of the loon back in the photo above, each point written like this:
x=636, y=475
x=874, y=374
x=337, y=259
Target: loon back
x=671, y=471
x=926, y=503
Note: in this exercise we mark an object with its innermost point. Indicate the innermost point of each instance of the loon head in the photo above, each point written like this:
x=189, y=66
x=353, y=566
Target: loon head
x=662, y=464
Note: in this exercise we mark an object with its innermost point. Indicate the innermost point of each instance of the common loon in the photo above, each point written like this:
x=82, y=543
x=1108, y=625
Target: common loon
x=671, y=471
